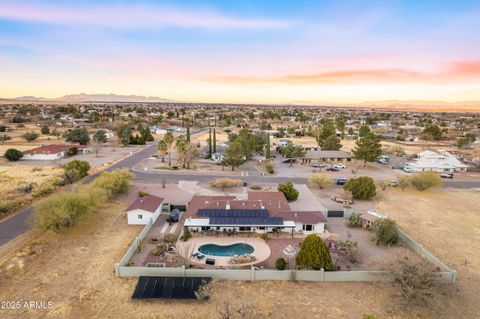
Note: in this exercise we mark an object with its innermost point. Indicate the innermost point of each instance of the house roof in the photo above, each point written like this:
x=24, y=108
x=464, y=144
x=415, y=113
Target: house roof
x=304, y=217
x=53, y=148
x=149, y=203
x=369, y=217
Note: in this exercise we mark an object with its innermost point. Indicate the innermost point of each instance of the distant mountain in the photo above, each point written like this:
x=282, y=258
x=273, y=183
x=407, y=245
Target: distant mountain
x=83, y=97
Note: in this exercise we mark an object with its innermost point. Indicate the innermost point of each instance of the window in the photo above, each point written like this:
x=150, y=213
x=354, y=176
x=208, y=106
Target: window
x=241, y=228
x=308, y=227
x=139, y=216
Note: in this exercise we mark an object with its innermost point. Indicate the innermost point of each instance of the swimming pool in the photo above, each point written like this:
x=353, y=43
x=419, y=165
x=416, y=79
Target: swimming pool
x=224, y=251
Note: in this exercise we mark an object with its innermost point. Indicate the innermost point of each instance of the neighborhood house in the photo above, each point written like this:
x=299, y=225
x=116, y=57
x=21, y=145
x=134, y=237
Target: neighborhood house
x=436, y=162
x=144, y=208
x=52, y=151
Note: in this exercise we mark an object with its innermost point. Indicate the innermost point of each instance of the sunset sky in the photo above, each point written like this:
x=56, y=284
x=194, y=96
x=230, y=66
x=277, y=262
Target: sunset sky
x=243, y=51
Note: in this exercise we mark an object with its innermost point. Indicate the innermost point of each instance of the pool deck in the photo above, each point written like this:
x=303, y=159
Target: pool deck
x=261, y=249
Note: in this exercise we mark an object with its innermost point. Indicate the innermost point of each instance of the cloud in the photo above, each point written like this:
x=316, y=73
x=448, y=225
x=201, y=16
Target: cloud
x=134, y=16
x=446, y=73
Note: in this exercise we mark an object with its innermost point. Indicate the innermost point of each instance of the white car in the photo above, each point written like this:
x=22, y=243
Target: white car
x=339, y=166
x=408, y=169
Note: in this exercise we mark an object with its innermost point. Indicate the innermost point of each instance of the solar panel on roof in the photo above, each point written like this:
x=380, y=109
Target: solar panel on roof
x=245, y=221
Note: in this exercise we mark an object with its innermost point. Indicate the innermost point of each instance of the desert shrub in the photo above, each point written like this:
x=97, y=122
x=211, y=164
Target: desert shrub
x=255, y=187
x=314, y=254
x=270, y=169
x=30, y=136
x=354, y=220
x=280, y=264
x=403, y=181
x=44, y=189
x=322, y=180
x=63, y=210
x=160, y=249
x=186, y=234
x=114, y=182
x=13, y=155
x=77, y=135
x=142, y=194
x=45, y=130
x=26, y=188
x=235, y=260
x=288, y=190
x=264, y=236
x=170, y=239
x=7, y=206
x=350, y=247
x=75, y=170
x=362, y=187
x=425, y=180
x=386, y=232
x=71, y=151
x=225, y=183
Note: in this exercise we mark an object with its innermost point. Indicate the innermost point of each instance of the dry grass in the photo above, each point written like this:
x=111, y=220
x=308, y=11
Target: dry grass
x=75, y=271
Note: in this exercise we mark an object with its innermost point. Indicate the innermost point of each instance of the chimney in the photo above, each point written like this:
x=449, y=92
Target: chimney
x=227, y=206
x=262, y=206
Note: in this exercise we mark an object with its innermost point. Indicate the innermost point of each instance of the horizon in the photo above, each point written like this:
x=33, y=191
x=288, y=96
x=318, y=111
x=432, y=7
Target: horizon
x=245, y=53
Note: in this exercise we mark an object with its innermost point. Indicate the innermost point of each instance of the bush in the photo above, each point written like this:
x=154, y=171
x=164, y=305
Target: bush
x=77, y=135
x=280, y=264
x=255, y=187
x=225, y=183
x=30, y=136
x=314, y=254
x=45, y=130
x=288, y=190
x=270, y=169
x=26, y=188
x=425, y=180
x=114, y=182
x=385, y=231
x=44, y=189
x=350, y=247
x=160, y=249
x=13, y=155
x=362, y=187
x=170, y=239
x=354, y=220
x=76, y=170
x=186, y=234
x=7, y=206
x=264, y=236
x=63, y=210
x=72, y=151
x=142, y=194
x=322, y=180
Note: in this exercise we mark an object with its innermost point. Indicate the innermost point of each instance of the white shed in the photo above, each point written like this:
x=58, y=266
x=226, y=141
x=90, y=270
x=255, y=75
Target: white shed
x=144, y=208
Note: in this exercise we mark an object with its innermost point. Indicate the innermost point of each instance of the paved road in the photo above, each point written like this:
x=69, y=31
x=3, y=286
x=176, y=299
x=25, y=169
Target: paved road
x=19, y=223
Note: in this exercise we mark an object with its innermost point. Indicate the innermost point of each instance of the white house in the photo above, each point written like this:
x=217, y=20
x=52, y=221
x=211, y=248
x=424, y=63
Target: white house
x=143, y=209
x=436, y=162
x=52, y=151
x=306, y=222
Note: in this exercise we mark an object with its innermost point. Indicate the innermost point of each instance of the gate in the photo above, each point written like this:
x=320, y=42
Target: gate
x=181, y=208
x=335, y=213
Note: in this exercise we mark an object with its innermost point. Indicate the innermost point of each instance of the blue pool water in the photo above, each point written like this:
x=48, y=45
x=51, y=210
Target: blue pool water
x=230, y=250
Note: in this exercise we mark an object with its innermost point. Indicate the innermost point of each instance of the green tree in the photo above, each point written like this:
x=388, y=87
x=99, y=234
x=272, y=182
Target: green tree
x=98, y=139
x=13, y=155
x=425, y=180
x=293, y=151
x=280, y=264
x=162, y=149
x=321, y=180
x=267, y=148
x=45, y=130
x=314, y=254
x=331, y=143
x=432, y=132
x=354, y=219
x=77, y=135
x=188, y=133
x=385, y=231
x=368, y=148
x=364, y=130
x=75, y=170
x=290, y=192
x=324, y=132
x=214, y=141
x=362, y=187
x=30, y=136
x=146, y=134
x=234, y=154
x=169, y=140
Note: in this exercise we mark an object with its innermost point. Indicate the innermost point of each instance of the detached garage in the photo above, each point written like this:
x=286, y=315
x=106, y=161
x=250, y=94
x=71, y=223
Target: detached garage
x=144, y=208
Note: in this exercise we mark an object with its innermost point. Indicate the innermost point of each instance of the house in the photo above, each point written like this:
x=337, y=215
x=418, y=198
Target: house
x=369, y=218
x=52, y=151
x=427, y=161
x=327, y=156
x=261, y=212
x=143, y=209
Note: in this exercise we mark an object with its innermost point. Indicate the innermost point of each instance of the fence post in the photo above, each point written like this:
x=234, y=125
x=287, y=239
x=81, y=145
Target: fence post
x=454, y=276
x=252, y=273
x=322, y=274
x=117, y=270
x=184, y=271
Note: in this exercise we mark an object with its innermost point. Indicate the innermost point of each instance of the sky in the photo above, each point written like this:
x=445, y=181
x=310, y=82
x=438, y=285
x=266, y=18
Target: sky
x=242, y=51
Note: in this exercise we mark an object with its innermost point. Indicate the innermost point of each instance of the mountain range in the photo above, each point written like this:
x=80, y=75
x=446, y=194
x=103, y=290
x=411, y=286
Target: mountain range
x=83, y=97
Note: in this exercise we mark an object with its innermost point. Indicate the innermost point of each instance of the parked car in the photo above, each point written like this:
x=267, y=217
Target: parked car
x=317, y=165
x=173, y=216
x=332, y=169
x=153, y=157
x=341, y=181
x=408, y=169
x=393, y=183
x=339, y=166
x=447, y=175
x=289, y=160
x=384, y=159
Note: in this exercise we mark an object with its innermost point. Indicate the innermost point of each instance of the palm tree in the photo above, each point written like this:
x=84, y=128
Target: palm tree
x=162, y=149
x=169, y=139
x=181, y=146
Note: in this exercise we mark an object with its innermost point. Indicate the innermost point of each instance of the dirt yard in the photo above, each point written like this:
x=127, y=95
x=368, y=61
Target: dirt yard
x=75, y=271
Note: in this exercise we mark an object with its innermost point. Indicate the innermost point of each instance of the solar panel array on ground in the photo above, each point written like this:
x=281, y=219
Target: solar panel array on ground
x=168, y=287
x=206, y=212
x=245, y=221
